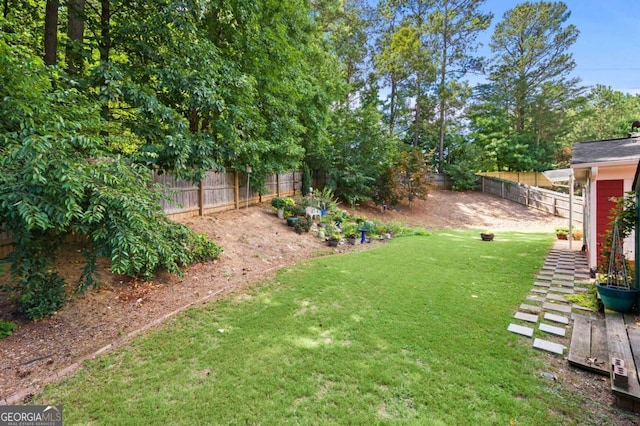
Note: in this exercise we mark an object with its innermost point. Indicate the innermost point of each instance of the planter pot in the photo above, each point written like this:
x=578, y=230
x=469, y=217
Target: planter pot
x=333, y=243
x=617, y=299
x=291, y=221
x=352, y=241
x=280, y=213
x=561, y=237
x=486, y=237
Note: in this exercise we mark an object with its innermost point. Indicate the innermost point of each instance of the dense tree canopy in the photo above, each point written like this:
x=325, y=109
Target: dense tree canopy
x=96, y=93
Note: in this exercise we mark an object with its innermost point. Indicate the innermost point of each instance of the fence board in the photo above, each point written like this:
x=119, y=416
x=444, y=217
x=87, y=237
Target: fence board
x=546, y=200
x=218, y=191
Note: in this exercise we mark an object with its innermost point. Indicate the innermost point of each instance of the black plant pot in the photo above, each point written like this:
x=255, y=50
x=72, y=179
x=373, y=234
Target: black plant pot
x=486, y=237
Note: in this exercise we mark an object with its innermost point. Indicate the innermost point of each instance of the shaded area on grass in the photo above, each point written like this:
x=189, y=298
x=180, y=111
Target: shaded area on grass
x=414, y=331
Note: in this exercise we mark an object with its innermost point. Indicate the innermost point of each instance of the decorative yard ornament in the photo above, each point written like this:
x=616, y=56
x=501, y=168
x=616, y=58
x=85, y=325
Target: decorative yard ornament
x=617, y=275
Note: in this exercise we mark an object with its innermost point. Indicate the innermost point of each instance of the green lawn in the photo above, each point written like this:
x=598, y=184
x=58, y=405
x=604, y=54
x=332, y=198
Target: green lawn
x=414, y=332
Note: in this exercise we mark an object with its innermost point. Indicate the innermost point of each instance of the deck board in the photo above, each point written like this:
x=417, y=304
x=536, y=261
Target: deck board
x=620, y=347
x=588, y=349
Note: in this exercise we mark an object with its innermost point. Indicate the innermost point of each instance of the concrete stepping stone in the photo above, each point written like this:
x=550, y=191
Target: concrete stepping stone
x=563, y=278
x=557, y=307
x=539, y=290
x=565, y=290
x=520, y=329
x=536, y=298
x=530, y=308
x=556, y=318
x=581, y=308
x=581, y=289
x=548, y=346
x=541, y=284
x=562, y=283
x=526, y=317
x=552, y=329
x=556, y=297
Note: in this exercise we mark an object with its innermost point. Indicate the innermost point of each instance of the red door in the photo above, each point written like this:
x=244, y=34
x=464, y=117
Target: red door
x=605, y=190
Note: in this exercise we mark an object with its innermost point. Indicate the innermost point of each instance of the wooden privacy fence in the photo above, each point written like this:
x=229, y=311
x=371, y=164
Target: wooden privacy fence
x=555, y=203
x=216, y=192
x=221, y=191
x=527, y=178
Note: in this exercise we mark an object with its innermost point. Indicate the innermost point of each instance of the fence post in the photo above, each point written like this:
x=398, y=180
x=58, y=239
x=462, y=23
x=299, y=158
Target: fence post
x=236, y=189
x=502, y=189
x=278, y=184
x=201, y=198
x=294, y=181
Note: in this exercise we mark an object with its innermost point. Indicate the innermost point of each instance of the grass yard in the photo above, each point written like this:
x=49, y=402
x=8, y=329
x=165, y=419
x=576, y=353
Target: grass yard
x=414, y=332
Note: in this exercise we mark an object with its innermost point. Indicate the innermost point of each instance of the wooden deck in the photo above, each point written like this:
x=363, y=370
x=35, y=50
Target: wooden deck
x=610, y=347
x=589, y=349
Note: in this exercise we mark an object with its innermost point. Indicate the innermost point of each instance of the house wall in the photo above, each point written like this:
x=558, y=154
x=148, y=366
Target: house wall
x=625, y=172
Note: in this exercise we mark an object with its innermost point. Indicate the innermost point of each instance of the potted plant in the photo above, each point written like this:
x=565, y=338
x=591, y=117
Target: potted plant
x=562, y=232
x=326, y=200
x=350, y=231
x=576, y=234
x=486, y=236
x=614, y=285
x=293, y=212
x=334, y=239
x=280, y=203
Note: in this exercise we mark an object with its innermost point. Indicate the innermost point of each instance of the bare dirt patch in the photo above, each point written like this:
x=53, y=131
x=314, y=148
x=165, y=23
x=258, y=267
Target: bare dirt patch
x=255, y=244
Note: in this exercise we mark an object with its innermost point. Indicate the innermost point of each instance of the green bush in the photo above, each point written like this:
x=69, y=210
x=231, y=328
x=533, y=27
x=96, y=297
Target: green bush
x=302, y=225
x=295, y=210
x=59, y=176
x=41, y=294
x=6, y=328
x=281, y=202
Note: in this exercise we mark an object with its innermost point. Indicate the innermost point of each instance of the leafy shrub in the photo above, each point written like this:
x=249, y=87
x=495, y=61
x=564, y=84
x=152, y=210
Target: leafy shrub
x=350, y=230
x=462, y=176
x=6, y=328
x=295, y=210
x=60, y=176
x=41, y=294
x=302, y=225
x=281, y=202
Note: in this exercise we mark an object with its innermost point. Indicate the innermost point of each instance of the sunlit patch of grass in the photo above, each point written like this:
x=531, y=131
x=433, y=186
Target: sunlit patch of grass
x=411, y=333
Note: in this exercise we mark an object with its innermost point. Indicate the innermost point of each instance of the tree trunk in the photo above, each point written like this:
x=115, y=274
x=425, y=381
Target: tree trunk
x=443, y=75
x=417, y=116
x=51, y=32
x=5, y=9
x=75, y=32
x=392, y=107
x=105, y=45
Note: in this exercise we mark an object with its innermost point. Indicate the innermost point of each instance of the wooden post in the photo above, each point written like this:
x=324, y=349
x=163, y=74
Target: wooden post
x=201, y=198
x=278, y=184
x=293, y=176
x=236, y=189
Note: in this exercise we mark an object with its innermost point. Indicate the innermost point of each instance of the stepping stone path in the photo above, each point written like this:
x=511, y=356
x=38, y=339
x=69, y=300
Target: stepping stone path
x=564, y=272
